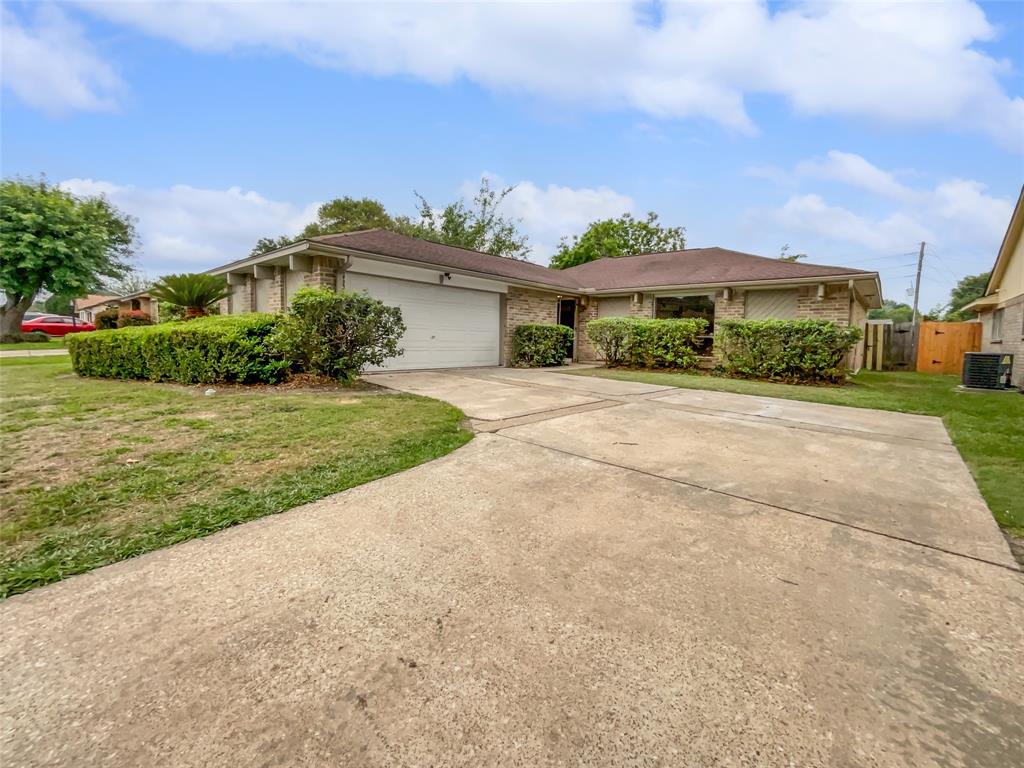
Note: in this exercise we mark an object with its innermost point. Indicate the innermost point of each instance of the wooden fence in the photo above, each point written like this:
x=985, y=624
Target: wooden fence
x=941, y=346
x=888, y=346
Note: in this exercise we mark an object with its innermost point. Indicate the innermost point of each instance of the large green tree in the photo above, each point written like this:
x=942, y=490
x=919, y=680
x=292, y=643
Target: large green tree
x=896, y=311
x=964, y=292
x=478, y=226
x=624, y=236
x=343, y=214
x=51, y=240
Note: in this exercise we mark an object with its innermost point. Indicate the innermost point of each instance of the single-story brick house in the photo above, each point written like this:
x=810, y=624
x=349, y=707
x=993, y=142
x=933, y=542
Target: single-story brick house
x=1002, y=307
x=461, y=306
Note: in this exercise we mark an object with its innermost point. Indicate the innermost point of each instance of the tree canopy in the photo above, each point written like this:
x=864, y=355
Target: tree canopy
x=896, y=311
x=964, y=292
x=53, y=241
x=477, y=225
x=624, y=236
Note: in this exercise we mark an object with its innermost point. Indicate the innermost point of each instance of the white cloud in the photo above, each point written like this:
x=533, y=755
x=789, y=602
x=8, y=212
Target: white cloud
x=901, y=63
x=959, y=220
x=856, y=171
x=811, y=214
x=185, y=228
x=51, y=66
x=549, y=213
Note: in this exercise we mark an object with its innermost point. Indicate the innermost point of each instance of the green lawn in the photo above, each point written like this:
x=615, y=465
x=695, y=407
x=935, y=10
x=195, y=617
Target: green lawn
x=987, y=427
x=27, y=345
x=92, y=472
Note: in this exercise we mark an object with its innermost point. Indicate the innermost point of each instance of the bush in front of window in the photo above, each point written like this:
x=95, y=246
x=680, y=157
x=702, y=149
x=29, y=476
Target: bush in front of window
x=796, y=351
x=647, y=343
x=536, y=345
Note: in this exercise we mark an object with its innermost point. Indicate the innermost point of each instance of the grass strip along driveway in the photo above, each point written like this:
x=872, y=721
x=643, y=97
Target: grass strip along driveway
x=92, y=472
x=986, y=427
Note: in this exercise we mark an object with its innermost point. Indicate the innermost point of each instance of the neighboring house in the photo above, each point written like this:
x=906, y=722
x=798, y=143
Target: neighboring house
x=1002, y=306
x=139, y=301
x=461, y=307
x=87, y=308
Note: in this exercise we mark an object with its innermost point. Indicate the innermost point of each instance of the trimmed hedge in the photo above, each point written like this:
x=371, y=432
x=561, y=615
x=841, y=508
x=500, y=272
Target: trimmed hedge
x=28, y=337
x=133, y=317
x=537, y=345
x=207, y=350
x=796, y=351
x=647, y=343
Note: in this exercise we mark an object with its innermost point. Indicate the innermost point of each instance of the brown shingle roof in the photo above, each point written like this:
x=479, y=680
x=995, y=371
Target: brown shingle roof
x=694, y=266
x=402, y=247
x=92, y=300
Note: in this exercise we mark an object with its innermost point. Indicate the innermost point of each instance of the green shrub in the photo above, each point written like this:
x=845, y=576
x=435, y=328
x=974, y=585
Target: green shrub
x=105, y=320
x=784, y=350
x=234, y=348
x=647, y=343
x=536, y=346
x=338, y=334
x=133, y=317
x=24, y=338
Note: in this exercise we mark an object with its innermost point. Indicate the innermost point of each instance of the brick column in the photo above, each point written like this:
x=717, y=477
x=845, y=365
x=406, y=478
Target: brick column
x=243, y=297
x=585, y=349
x=324, y=274
x=277, y=302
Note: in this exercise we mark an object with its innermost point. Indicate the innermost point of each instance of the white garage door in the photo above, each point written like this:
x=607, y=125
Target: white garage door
x=445, y=327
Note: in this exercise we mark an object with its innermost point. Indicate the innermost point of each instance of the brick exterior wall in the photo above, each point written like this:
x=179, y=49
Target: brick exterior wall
x=277, y=302
x=585, y=350
x=324, y=274
x=522, y=307
x=835, y=306
x=1012, y=342
x=731, y=309
x=243, y=297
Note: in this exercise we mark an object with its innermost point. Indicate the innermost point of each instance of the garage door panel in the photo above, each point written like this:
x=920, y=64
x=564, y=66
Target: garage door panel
x=446, y=327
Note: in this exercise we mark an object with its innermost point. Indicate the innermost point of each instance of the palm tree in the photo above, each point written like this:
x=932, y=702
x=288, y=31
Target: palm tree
x=196, y=293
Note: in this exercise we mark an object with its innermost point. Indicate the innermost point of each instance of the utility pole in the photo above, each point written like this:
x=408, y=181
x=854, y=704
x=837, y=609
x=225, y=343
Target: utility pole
x=917, y=293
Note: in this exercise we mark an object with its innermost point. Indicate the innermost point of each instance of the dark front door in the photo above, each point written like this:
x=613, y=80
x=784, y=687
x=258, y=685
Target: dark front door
x=567, y=317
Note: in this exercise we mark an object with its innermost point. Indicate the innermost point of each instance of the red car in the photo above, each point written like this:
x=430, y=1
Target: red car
x=56, y=325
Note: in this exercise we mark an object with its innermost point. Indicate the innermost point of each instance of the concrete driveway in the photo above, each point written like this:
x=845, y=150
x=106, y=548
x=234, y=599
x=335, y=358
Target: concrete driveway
x=609, y=574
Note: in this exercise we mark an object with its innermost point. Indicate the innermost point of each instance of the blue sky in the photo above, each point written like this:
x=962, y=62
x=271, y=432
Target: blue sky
x=849, y=131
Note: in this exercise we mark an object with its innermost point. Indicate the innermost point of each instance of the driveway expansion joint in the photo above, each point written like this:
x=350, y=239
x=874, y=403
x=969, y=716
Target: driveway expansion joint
x=740, y=497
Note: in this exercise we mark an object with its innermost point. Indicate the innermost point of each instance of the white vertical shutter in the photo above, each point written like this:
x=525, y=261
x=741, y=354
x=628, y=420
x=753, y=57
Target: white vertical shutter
x=771, y=305
x=613, y=306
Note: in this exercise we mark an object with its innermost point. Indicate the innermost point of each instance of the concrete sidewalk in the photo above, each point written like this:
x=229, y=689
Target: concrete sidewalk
x=32, y=352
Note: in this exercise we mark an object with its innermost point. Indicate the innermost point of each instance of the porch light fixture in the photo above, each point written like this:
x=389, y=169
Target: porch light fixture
x=638, y=298
x=727, y=294
x=821, y=291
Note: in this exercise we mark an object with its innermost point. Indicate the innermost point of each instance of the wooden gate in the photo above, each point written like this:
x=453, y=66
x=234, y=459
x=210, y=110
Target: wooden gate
x=941, y=346
x=877, y=338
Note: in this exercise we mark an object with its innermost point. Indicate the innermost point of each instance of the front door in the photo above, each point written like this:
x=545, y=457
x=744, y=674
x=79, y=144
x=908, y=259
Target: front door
x=567, y=317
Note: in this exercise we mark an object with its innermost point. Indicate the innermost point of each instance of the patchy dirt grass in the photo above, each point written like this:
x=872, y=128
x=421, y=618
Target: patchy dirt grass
x=95, y=471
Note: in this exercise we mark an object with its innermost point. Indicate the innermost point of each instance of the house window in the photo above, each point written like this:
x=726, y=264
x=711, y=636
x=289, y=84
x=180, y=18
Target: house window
x=997, y=325
x=701, y=306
